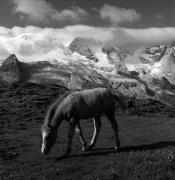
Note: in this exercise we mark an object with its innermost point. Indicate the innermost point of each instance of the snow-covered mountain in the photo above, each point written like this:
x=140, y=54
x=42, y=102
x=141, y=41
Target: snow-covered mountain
x=158, y=65
x=84, y=47
x=153, y=54
x=86, y=64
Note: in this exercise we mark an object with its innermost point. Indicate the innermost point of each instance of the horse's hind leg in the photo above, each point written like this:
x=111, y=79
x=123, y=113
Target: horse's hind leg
x=80, y=134
x=97, y=127
x=72, y=126
x=114, y=125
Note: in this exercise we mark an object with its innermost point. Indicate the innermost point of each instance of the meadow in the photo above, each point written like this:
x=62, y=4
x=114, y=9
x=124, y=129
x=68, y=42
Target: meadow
x=147, y=137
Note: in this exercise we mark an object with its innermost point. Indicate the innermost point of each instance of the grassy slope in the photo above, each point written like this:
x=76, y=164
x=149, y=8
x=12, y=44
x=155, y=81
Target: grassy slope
x=147, y=137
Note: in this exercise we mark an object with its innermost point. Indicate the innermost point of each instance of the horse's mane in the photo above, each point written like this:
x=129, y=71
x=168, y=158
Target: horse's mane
x=51, y=111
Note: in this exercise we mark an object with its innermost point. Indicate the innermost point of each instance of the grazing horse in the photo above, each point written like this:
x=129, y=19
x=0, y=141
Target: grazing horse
x=73, y=107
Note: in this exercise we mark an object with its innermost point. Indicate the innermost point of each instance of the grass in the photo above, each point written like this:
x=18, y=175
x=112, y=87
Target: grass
x=147, y=141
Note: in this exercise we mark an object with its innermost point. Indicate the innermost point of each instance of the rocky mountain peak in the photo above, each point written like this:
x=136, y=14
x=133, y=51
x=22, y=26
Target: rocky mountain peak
x=153, y=54
x=119, y=52
x=11, y=60
x=172, y=49
x=12, y=70
x=78, y=43
x=83, y=46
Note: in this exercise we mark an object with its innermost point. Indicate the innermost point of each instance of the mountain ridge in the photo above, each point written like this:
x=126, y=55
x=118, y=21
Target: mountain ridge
x=143, y=81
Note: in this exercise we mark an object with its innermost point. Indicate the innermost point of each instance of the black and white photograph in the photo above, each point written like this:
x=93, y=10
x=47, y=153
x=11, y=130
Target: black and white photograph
x=87, y=89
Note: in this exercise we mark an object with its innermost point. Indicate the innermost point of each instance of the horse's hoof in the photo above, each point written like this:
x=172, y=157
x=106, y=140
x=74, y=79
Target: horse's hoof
x=116, y=148
x=83, y=148
x=87, y=147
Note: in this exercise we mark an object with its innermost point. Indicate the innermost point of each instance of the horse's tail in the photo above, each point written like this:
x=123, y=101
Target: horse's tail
x=121, y=103
x=121, y=100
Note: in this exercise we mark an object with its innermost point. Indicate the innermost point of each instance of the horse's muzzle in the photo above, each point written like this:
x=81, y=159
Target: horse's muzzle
x=44, y=150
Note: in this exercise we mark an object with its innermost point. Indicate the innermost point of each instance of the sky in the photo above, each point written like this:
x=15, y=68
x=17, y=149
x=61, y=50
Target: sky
x=36, y=29
x=59, y=13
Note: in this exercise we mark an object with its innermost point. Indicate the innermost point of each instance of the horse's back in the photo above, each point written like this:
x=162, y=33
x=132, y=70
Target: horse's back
x=89, y=103
x=94, y=96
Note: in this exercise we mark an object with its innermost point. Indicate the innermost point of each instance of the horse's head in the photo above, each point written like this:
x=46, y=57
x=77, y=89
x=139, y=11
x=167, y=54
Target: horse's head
x=49, y=135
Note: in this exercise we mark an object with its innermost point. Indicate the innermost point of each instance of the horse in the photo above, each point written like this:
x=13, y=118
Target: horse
x=78, y=105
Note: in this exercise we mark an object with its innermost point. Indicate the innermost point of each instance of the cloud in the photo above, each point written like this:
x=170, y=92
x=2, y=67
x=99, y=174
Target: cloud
x=159, y=16
x=3, y=51
x=42, y=11
x=118, y=15
x=75, y=14
x=33, y=43
x=26, y=50
x=141, y=37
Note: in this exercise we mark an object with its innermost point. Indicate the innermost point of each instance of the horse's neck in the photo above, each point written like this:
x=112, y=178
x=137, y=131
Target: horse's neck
x=57, y=120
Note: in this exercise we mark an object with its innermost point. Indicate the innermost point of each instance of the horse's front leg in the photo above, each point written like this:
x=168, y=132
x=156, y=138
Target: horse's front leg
x=72, y=126
x=97, y=127
x=80, y=134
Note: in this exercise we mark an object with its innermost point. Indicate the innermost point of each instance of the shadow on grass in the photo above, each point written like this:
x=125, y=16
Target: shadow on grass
x=105, y=151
